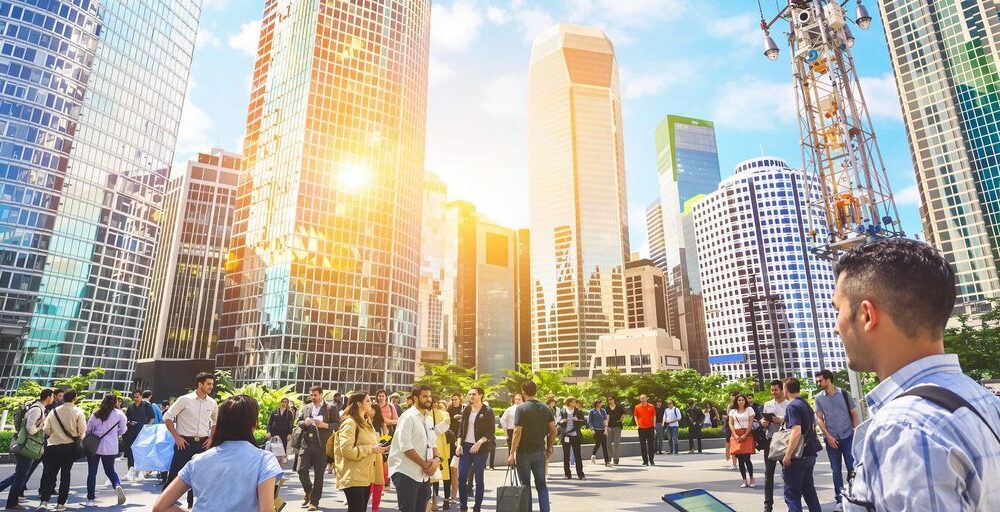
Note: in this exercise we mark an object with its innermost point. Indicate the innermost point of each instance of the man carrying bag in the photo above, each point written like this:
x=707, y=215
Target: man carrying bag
x=28, y=446
x=514, y=497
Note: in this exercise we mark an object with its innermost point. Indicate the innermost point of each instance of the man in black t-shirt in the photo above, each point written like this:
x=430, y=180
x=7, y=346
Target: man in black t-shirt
x=798, y=473
x=534, y=435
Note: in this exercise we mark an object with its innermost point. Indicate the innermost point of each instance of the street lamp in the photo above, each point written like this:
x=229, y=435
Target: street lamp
x=861, y=17
x=771, y=49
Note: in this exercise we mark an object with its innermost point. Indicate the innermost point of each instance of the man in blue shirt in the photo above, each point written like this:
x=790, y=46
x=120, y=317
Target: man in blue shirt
x=798, y=473
x=837, y=417
x=893, y=300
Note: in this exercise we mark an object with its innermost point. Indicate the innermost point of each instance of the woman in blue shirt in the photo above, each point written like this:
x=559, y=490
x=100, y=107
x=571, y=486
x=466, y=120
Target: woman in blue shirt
x=598, y=422
x=234, y=475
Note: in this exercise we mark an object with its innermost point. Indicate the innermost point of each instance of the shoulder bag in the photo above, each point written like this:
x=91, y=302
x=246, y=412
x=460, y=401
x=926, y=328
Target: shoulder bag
x=780, y=440
x=78, y=452
x=92, y=441
x=29, y=446
x=744, y=447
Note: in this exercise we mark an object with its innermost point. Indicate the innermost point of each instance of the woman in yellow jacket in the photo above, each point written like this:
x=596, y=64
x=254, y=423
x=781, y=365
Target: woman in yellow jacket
x=357, y=453
x=441, y=423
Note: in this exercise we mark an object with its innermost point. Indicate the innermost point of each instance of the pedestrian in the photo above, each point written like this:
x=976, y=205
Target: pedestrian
x=147, y=396
x=741, y=441
x=696, y=419
x=798, y=473
x=191, y=420
x=672, y=425
x=534, y=436
x=659, y=426
x=281, y=422
x=233, y=475
x=389, y=410
x=107, y=423
x=30, y=435
x=395, y=399
x=727, y=433
x=65, y=426
x=711, y=415
x=837, y=416
x=442, y=424
x=316, y=420
x=358, y=453
x=597, y=420
x=772, y=419
x=645, y=414
x=477, y=433
x=455, y=409
x=413, y=456
x=616, y=413
x=138, y=413
x=59, y=400
x=570, y=424
x=507, y=418
x=493, y=446
x=893, y=299
x=382, y=430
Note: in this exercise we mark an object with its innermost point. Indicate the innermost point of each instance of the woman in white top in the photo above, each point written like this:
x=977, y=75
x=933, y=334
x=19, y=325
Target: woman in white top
x=740, y=419
x=507, y=419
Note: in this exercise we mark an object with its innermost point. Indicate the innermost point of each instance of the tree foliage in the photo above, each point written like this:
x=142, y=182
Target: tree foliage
x=976, y=341
x=268, y=399
x=448, y=378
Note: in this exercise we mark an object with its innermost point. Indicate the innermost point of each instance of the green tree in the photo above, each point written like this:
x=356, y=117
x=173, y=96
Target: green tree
x=977, y=342
x=80, y=383
x=268, y=399
x=547, y=381
x=448, y=378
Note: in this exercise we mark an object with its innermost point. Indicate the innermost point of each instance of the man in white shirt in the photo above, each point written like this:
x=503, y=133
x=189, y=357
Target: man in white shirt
x=191, y=421
x=672, y=424
x=413, y=456
x=772, y=419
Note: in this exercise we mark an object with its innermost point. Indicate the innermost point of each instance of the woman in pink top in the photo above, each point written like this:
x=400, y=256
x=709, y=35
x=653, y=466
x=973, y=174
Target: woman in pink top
x=107, y=423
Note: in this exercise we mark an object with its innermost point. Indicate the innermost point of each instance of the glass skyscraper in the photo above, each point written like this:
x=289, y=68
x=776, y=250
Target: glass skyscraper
x=90, y=99
x=687, y=160
x=579, y=219
x=325, y=262
x=945, y=55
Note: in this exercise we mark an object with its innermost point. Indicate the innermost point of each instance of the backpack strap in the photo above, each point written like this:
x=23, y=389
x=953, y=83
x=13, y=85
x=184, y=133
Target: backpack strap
x=948, y=400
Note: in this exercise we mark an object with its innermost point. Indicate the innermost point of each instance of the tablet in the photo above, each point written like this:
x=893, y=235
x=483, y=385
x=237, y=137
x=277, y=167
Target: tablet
x=696, y=500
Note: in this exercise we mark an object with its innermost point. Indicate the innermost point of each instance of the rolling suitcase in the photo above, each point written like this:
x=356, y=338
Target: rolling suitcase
x=514, y=497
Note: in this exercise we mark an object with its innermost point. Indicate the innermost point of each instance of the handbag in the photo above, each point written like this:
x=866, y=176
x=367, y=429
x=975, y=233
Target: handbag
x=295, y=440
x=29, y=446
x=78, y=452
x=92, y=441
x=779, y=445
x=514, y=497
x=744, y=447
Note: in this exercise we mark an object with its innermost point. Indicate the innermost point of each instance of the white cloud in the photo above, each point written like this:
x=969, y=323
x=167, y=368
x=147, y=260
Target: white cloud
x=455, y=27
x=218, y=5
x=438, y=71
x=207, y=37
x=507, y=96
x=496, y=15
x=627, y=14
x=743, y=28
x=246, y=39
x=909, y=196
x=639, y=85
x=882, y=97
x=195, y=130
x=532, y=22
x=752, y=104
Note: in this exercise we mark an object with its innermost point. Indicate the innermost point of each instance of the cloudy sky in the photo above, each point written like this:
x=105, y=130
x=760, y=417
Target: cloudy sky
x=688, y=57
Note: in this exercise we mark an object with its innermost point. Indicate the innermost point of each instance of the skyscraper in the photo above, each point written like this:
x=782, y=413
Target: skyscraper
x=523, y=334
x=185, y=297
x=654, y=234
x=688, y=163
x=769, y=298
x=645, y=295
x=946, y=56
x=579, y=220
x=89, y=110
x=325, y=256
x=436, y=304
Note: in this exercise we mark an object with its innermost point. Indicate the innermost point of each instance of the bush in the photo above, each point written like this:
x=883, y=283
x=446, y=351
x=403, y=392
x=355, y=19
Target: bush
x=260, y=435
x=5, y=437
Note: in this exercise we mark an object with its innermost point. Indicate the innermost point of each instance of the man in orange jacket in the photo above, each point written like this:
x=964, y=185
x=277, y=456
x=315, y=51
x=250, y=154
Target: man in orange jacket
x=645, y=419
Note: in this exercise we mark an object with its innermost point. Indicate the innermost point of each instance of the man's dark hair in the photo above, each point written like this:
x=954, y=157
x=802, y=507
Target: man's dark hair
x=316, y=388
x=909, y=279
x=529, y=387
x=453, y=395
x=237, y=420
x=826, y=374
x=58, y=390
x=793, y=385
x=45, y=394
x=777, y=382
x=137, y=392
x=734, y=394
x=69, y=395
x=419, y=388
x=147, y=394
x=479, y=391
x=203, y=376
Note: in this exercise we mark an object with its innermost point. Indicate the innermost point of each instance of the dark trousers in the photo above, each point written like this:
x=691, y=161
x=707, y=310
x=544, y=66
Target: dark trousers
x=601, y=440
x=58, y=459
x=313, y=460
x=840, y=457
x=769, y=467
x=647, y=444
x=9, y=481
x=412, y=495
x=108, y=461
x=799, y=484
x=22, y=465
x=572, y=443
x=181, y=458
x=745, y=464
x=127, y=440
x=694, y=432
x=660, y=431
x=357, y=498
x=531, y=465
x=476, y=463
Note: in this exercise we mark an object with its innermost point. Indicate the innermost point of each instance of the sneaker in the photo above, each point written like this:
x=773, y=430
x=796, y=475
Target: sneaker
x=43, y=506
x=61, y=506
x=607, y=464
x=91, y=503
x=312, y=508
x=744, y=485
x=593, y=459
x=120, y=493
x=645, y=463
x=838, y=508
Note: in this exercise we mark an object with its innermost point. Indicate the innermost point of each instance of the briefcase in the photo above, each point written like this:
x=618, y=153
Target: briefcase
x=513, y=497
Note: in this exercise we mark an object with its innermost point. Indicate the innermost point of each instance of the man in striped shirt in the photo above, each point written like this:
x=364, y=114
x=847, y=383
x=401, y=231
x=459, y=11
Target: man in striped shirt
x=893, y=299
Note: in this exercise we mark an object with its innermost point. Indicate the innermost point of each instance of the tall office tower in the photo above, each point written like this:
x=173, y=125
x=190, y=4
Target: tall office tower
x=91, y=99
x=185, y=296
x=325, y=258
x=485, y=292
x=769, y=298
x=579, y=220
x=645, y=295
x=687, y=160
x=654, y=234
x=436, y=304
x=522, y=353
x=946, y=57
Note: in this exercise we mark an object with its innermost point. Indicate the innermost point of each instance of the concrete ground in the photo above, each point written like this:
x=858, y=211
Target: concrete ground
x=628, y=487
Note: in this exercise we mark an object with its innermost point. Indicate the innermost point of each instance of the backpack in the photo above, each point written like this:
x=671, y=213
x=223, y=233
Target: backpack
x=19, y=415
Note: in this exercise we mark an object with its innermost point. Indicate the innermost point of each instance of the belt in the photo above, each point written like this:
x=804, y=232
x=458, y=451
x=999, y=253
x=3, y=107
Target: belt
x=195, y=439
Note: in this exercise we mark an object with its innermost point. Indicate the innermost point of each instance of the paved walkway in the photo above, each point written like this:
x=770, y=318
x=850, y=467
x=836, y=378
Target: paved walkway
x=629, y=487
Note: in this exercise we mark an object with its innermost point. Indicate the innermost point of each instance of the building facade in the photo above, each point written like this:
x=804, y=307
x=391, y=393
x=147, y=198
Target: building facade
x=768, y=298
x=687, y=161
x=185, y=298
x=523, y=343
x=325, y=260
x=579, y=220
x=638, y=351
x=645, y=295
x=946, y=59
x=436, y=294
x=655, y=235
x=89, y=108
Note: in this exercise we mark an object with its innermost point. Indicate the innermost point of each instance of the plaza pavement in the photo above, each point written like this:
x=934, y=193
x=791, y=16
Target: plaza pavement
x=629, y=487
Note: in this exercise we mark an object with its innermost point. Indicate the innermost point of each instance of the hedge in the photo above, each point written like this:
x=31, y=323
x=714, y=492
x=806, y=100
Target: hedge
x=5, y=437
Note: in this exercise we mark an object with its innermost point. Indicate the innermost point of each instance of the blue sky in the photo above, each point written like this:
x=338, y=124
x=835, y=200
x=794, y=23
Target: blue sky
x=694, y=58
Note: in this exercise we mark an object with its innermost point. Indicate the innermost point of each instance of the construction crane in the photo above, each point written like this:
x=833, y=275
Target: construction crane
x=840, y=152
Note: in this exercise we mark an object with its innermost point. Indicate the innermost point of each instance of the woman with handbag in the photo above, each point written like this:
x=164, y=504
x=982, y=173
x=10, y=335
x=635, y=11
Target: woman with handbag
x=741, y=440
x=382, y=431
x=358, y=453
x=105, y=425
x=442, y=425
x=280, y=423
x=65, y=426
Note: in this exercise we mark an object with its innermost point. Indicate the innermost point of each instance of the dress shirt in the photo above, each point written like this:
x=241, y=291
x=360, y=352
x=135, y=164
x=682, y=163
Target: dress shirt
x=912, y=455
x=415, y=431
x=672, y=416
x=193, y=416
x=507, y=419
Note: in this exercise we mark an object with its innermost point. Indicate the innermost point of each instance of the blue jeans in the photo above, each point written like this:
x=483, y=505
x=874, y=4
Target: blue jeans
x=798, y=477
x=411, y=495
x=532, y=465
x=477, y=463
x=108, y=461
x=836, y=467
x=22, y=467
x=673, y=435
x=659, y=438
